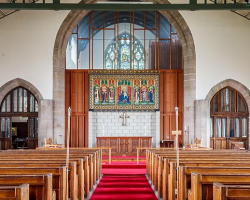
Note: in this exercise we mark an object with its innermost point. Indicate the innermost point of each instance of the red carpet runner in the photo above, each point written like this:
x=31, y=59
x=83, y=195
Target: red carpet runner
x=124, y=181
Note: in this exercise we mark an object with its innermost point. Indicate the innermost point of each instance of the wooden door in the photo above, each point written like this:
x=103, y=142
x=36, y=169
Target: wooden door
x=6, y=136
x=33, y=132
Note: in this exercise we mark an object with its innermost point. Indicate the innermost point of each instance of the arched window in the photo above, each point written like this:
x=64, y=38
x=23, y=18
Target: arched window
x=229, y=119
x=124, y=40
x=124, y=56
x=19, y=107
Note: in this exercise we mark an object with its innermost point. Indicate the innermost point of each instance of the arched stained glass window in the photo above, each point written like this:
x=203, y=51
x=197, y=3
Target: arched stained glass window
x=124, y=57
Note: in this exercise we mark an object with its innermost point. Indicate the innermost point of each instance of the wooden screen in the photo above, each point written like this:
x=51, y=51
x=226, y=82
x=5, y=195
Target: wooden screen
x=228, y=119
x=77, y=97
x=171, y=95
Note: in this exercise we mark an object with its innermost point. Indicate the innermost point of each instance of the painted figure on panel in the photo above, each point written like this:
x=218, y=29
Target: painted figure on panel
x=151, y=91
x=124, y=96
x=151, y=95
x=144, y=91
x=137, y=95
x=124, y=91
x=111, y=95
x=97, y=91
x=97, y=95
x=104, y=94
x=136, y=91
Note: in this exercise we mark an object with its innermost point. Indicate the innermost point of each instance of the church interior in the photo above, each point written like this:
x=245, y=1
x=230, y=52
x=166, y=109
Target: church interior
x=125, y=99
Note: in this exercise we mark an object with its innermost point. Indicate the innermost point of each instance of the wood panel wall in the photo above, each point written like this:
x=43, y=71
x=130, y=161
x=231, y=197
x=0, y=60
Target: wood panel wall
x=171, y=95
x=77, y=97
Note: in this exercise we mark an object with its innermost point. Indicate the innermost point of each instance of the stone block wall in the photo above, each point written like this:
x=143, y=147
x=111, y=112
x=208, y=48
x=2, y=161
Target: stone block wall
x=110, y=124
x=202, y=121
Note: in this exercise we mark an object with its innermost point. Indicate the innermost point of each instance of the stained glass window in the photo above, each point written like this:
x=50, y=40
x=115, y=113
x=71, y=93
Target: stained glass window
x=123, y=55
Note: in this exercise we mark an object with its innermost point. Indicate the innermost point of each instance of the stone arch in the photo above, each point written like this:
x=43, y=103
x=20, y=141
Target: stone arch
x=59, y=57
x=242, y=89
x=10, y=85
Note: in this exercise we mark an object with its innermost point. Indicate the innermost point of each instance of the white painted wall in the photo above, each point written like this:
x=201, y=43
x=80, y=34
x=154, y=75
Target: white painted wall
x=26, y=47
x=221, y=40
x=139, y=124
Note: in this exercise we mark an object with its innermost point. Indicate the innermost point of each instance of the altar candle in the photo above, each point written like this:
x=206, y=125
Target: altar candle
x=145, y=129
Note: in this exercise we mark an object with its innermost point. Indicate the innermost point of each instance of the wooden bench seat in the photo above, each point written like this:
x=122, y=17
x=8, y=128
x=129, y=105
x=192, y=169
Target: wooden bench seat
x=231, y=192
x=40, y=186
x=20, y=192
x=58, y=177
x=202, y=184
x=76, y=176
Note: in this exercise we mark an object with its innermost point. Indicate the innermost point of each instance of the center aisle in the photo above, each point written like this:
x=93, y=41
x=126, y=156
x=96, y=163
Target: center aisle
x=124, y=181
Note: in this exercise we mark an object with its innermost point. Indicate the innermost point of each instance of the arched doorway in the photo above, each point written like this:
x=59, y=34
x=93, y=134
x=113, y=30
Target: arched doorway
x=228, y=119
x=19, y=120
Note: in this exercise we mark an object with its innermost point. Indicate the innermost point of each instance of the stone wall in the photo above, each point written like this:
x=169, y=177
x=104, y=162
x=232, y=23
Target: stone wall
x=110, y=124
x=202, y=119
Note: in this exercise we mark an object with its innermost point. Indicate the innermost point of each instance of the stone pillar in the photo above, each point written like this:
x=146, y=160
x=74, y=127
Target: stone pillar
x=45, y=121
x=91, y=136
x=202, y=121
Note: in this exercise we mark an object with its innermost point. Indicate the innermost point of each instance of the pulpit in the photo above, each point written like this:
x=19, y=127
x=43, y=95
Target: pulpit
x=124, y=145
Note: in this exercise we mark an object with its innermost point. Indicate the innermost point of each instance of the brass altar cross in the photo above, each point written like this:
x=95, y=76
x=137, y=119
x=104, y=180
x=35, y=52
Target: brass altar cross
x=124, y=116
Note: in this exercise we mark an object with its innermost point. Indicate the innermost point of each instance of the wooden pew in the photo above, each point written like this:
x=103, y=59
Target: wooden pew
x=159, y=172
x=231, y=192
x=73, y=176
x=20, y=192
x=202, y=184
x=40, y=186
x=185, y=175
x=58, y=177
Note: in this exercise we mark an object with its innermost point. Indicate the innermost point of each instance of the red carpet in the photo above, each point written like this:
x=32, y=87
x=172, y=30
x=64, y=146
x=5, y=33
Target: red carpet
x=124, y=181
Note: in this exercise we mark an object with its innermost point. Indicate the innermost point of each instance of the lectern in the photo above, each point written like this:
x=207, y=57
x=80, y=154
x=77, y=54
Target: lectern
x=174, y=133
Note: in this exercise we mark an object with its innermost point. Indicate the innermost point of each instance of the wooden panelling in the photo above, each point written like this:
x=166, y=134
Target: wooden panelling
x=77, y=97
x=171, y=96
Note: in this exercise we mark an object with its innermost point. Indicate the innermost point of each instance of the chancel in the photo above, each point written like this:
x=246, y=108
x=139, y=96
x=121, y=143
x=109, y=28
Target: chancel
x=107, y=100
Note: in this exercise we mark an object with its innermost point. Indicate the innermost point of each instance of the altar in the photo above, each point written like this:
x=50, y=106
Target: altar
x=122, y=145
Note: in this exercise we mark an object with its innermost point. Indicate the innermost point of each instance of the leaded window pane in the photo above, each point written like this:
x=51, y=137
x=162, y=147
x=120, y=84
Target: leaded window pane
x=224, y=127
x=227, y=99
x=237, y=127
x=244, y=127
x=20, y=100
x=32, y=133
x=3, y=106
x=216, y=103
x=211, y=127
x=32, y=103
x=8, y=127
x=232, y=127
x=239, y=103
x=15, y=100
x=223, y=100
x=36, y=127
x=218, y=122
x=36, y=106
x=2, y=127
x=25, y=101
x=8, y=103
x=232, y=101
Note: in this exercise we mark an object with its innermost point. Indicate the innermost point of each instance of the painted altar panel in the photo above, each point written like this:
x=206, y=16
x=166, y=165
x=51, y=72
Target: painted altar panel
x=124, y=92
